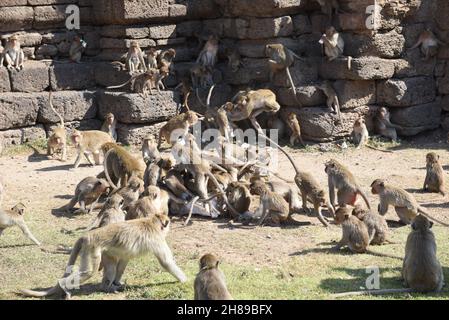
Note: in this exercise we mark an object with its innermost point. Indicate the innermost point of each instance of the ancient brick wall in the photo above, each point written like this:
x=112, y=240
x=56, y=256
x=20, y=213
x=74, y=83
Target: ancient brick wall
x=383, y=72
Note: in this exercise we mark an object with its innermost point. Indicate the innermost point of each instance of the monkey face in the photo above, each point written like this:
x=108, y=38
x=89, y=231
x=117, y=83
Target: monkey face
x=329, y=166
x=377, y=186
x=163, y=220
x=19, y=209
x=330, y=31
x=432, y=157
x=421, y=223
x=342, y=214
x=76, y=138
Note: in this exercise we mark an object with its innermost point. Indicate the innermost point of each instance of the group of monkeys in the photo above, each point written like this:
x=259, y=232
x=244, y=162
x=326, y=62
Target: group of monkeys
x=140, y=192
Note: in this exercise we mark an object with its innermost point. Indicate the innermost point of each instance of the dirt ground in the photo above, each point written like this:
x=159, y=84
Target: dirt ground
x=298, y=250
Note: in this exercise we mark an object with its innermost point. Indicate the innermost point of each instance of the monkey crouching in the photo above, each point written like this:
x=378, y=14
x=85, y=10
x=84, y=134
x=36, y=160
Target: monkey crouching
x=210, y=283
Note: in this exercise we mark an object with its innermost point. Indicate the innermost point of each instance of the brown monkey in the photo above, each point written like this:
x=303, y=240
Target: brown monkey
x=281, y=58
x=150, y=151
x=429, y=44
x=112, y=212
x=355, y=233
x=113, y=246
x=434, y=181
x=271, y=204
x=110, y=125
x=377, y=225
x=120, y=164
x=239, y=196
x=13, y=54
x=383, y=125
x=89, y=142
x=87, y=192
x=142, y=82
x=332, y=97
x=76, y=49
x=153, y=201
x=234, y=59
x=135, y=61
x=208, y=56
x=57, y=140
x=177, y=126
x=291, y=119
x=210, y=282
x=185, y=86
x=157, y=169
x=165, y=65
x=249, y=105
x=360, y=135
x=334, y=45
x=14, y=217
x=201, y=76
x=404, y=203
x=131, y=191
x=421, y=270
x=174, y=182
x=340, y=178
x=152, y=55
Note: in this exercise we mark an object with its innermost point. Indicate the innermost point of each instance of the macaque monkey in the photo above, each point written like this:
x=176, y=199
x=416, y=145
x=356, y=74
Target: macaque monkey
x=291, y=119
x=210, y=282
x=152, y=55
x=131, y=191
x=156, y=170
x=384, y=126
x=176, y=127
x=334, y=45
x=165, y=60
x=13, y=54
x=271, y=204
x=110, y=125
x=14, y=217
x=57, y=142
x=87, y=193
x=113, y=246
x=355, y=233
x=377, y=225
x=201, y=76
x=140, y=83
x=429, y=44
x=185, y=87
x=89, y=142
x=76, y=49
x=239, y=196
x=434, y=181
x=332, y=101
x=403, y=202
x=112, y=212
x=340, y=178
x=281, y=58
x=251, y=104
x=234, y=59
x=120, y=164
x=360, y=133
x=135, y=62
x=150, y=151
x=421, y=270
x=208, y=56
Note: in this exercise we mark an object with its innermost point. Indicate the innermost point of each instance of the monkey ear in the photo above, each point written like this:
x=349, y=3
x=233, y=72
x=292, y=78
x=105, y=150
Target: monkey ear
x=413, y=226
x=431, y=225
x=216, y=265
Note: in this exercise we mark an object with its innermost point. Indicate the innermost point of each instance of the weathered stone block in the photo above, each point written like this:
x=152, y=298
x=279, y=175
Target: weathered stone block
x=163, y=31
x=302, y=72
x=18, y=18
x=49, y=16
x=407, y=69
x=383, y=45
x=308, y=96
x=301, y=24
x=129, y=11
x=406, y=92
x=258, y=8
x=72, y=76
x=418, y=118
x=33, y=78
x=353, y=94
x=132, y=108
x=17, y=137
x=5, y=85
x=71, y=105
x=18, y=110
x=364, y=68
x=107, y=75
x=134, y=134
x=252, y=70
x=11, y=3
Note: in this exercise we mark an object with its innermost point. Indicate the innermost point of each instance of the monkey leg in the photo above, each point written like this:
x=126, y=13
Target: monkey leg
x=9, y=61
x=405, y=215
x=96, y=156
x=165, y=258
x=27, y=232
x=304, y=201
x=1, y=231
x=86, y=154
x=320, y=216
x=109, y=273
x=64, y=153
x=121, y=266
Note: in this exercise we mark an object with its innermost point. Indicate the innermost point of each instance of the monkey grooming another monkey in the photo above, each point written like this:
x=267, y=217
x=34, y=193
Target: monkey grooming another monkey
x=13, y=54
x=87, y=142
x=176, y=127
x=334, y=45
x=421, y=270
x=87, y=192
x=403, y=202
x=14, y=217
x=109, y=125
x=281, y=58
x=340, y=178
x=383, y=125
x=429, y=44
x=434, y=181
x=210, y=282
x=120, y=164
x=113, y=246
x=58, y=137
x=377, y=225
x=332, y=101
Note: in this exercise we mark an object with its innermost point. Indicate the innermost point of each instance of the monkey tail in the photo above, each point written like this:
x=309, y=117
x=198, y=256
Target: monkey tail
x=426, y=214
x=191, y=210
x=365, y=198
x=108, y=177
x=209, y=95
x=385, y=255
x=75, y=251
x=377, y=149
x=54, y=110
x=124, y=84
x=349, y=62
x=40, y=294
x=223, y=194
x=199, y=99
x=287, y=70
x=186, y=101
x=372, y=292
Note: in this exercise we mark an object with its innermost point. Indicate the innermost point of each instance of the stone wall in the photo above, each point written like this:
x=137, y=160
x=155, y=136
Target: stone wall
x=384, y=72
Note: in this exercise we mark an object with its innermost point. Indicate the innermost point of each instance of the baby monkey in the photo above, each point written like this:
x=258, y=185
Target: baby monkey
x=210, y=282
x=434, y=181
x=14, y=217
